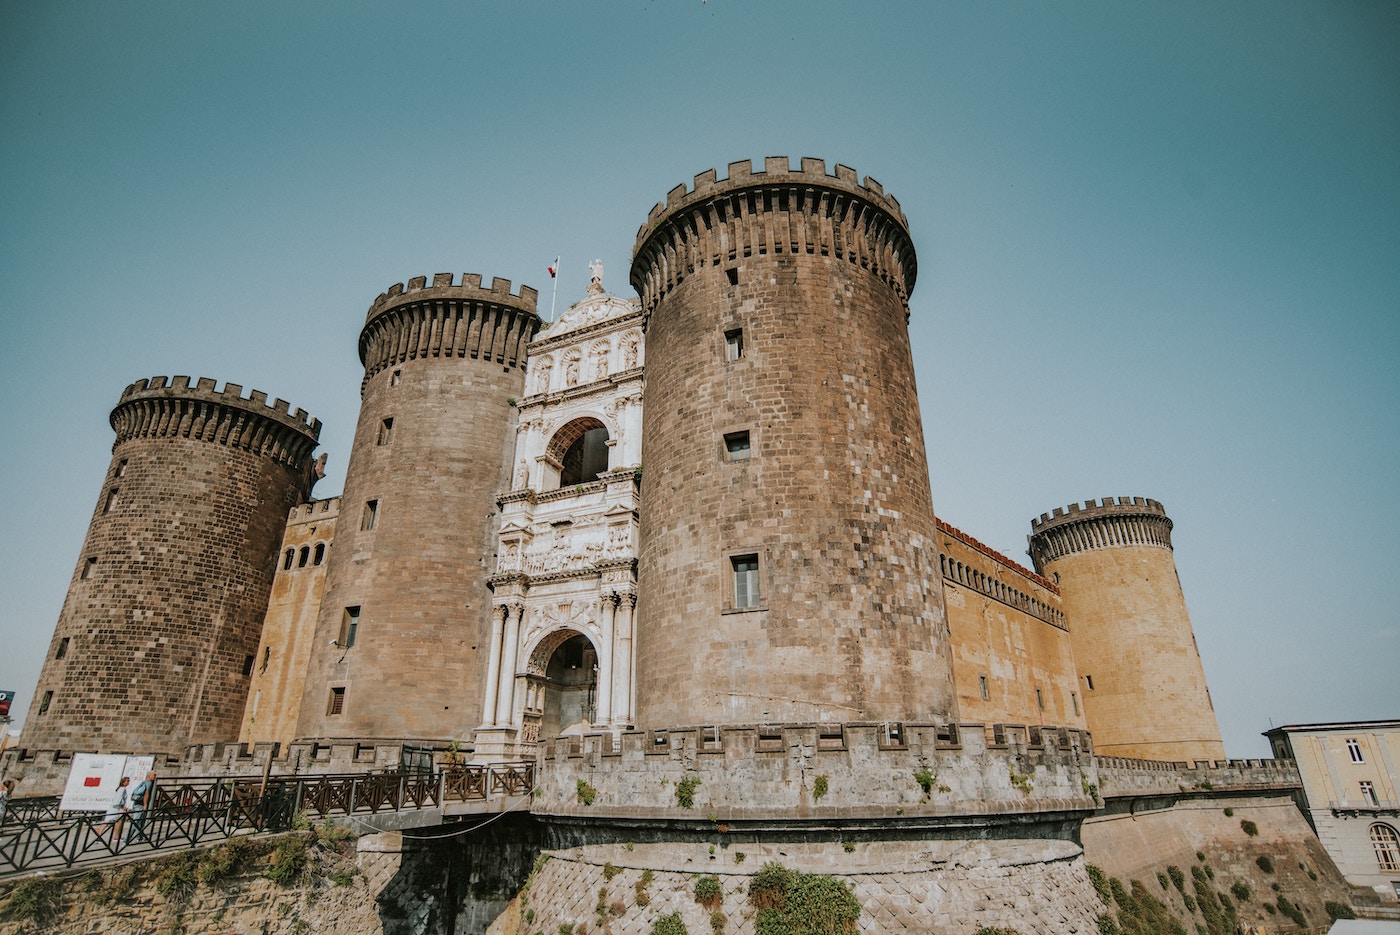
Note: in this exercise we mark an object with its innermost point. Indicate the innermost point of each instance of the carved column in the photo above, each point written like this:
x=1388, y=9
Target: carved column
x=505, y=696
x=626, y=660
x=605, y=662
x=493, y=665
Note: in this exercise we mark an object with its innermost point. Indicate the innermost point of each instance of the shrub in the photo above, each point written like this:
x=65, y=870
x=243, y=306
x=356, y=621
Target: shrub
x=848, y=846
x=344, y=876
x=671, y=924
x=1270, y=908
x=1201, y=856
x=1162, y=879
x=1240, y=889
x=717, y=922
x=988, y=930
x=1337, y=911
x=925, y=777
x=819, y=788
x=739, y=857
x=1178, y=878
x=33, y=900
x=1292, y=910
x=1021, y=781
x=640, y=888
x=609, y=871
x=685, y=791
x=287, y=865
x=1265, y=864
x=768, y=888
x=1106, y=926
x=1100, y=881
x=586, y=793
x=1249, y=827
x=793, y=903
x=708, y=892
x=1229, y=813
x=219, y=863
x=176, y=875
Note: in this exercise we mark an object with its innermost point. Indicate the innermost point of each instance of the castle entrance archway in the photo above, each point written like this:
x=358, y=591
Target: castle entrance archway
x=563, y=673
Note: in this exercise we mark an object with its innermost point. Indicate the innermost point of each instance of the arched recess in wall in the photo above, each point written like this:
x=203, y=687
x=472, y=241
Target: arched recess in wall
x=579, y=451
x=562, y=675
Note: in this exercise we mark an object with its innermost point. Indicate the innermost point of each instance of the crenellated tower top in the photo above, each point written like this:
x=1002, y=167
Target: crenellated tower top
x=1109, y=523
x=775, y=211
x=171, y=407
x=448, y=320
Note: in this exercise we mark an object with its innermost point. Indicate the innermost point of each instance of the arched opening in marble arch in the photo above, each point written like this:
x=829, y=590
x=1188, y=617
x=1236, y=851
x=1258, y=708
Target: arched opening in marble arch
x=579, y=451
x=563, y=683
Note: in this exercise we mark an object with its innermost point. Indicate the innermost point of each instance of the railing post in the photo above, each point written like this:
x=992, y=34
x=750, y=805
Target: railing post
x=442, y=789
x=350, y=808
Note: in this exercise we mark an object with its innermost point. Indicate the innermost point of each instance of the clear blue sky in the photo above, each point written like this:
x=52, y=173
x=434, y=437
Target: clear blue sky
x=1159, y=251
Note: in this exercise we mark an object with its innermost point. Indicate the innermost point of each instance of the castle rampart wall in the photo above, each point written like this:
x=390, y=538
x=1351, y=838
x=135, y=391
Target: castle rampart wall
x=415, y=546
x=777, y=322
x=153, y=648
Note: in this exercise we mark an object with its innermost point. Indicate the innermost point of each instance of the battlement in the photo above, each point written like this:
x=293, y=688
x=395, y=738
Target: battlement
x=469, y=287
x=774, y=212
x=1110, y=523
x=314, y=511
x=231, y=395
x=777, y=170
x=996, y=556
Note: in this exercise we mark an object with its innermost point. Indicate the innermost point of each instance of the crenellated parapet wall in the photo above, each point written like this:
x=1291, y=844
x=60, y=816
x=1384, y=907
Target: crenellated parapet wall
x=449, y=320
x=1128, y=521
x=773, y=212
x=1130, y=777
x=763, y=775
x=171, y=408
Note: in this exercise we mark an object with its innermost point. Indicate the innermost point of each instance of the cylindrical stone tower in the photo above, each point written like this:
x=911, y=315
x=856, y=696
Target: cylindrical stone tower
x=402, y=635
x=787, y=566
x=154, y=646
x=1145, y=692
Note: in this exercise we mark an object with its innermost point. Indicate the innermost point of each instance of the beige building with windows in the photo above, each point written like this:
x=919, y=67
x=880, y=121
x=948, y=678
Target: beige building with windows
x=1350, y=784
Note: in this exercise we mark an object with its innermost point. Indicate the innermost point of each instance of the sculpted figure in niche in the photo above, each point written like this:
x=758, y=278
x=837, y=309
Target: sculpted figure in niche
x=522, y=474
x=542, y=372
x=510, y=559
x=629, y=352
x=600, y=362
x=571, y=372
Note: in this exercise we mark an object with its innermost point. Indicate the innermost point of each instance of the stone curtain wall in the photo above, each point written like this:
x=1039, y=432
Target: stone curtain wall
x=953, y=888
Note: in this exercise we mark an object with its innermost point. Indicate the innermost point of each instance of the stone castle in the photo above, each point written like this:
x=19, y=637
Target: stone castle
x=690, y=533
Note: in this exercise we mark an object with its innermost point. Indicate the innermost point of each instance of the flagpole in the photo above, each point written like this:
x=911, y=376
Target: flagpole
x=556, y=288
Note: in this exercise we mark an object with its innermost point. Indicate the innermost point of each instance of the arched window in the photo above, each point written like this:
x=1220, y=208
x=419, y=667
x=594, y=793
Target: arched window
x=305, y=556
x=1387, y=845
x=581, y=451
x=320, y=554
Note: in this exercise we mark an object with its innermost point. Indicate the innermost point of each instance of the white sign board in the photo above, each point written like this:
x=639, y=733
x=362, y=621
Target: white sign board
x=93, y=779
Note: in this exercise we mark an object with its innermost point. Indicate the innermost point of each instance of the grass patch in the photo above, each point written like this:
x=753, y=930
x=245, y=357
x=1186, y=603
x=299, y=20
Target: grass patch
x=794, y=903
x=685, y=791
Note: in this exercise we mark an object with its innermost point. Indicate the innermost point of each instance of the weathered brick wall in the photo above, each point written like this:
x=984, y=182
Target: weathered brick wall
x=166, y=605
x=834, y=500
x=443, y=362
x=1129, y=629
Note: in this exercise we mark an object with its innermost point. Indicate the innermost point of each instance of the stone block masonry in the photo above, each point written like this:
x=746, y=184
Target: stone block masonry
x=154, y=646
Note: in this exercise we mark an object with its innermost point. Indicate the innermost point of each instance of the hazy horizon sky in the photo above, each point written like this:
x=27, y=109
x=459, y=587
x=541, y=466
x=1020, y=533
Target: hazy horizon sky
x=1159, y=252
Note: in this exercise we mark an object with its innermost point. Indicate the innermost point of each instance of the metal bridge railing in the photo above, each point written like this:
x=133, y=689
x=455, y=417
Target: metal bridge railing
x=35, y=835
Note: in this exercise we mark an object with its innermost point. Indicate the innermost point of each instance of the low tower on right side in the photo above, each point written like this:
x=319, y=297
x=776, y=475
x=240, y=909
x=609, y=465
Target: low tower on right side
x=1145, y=692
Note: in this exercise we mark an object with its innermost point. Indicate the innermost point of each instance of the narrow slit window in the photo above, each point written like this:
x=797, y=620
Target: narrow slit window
x=45, y=701
x=1039, y=700
x=336, y=704
x=304, y=557
x=62, y=648
x=111, y=502
x=370, y=518
x=89, y=567
x=396, y=378
x=1089, y=682
x=736, y=446
x=734, y=344
x=745, y=568
x=982, y=684
x=120, y=469
x=1074, y=701
x=248, y=665
x=320, y=553
x=349, y=627
x=386, y=431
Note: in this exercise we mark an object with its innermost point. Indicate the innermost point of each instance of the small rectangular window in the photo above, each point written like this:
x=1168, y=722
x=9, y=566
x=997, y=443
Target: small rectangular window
x=736, y=446
x=1074, y=700
x=248, y=665
x=745, y=568
x=88, y=567
x=1089, y=682
x=337, y=701
x=396, y=378
x=371, y=515
x=1039, y=700
x=111, y=501
x=349, y=626
x=982, y=684
x=1368, y=793
x=62, y=648
x=1354, y=750
x=386, y=431
x=732, y=275
x=734, y=344
x=45, y=701
x=121, y=468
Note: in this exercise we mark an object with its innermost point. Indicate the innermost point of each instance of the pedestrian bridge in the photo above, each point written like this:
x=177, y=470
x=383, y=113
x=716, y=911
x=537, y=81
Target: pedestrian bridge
x=36, y=835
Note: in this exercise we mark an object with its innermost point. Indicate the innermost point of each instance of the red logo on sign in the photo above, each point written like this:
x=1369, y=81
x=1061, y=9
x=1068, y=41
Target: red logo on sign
x=92, y=781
